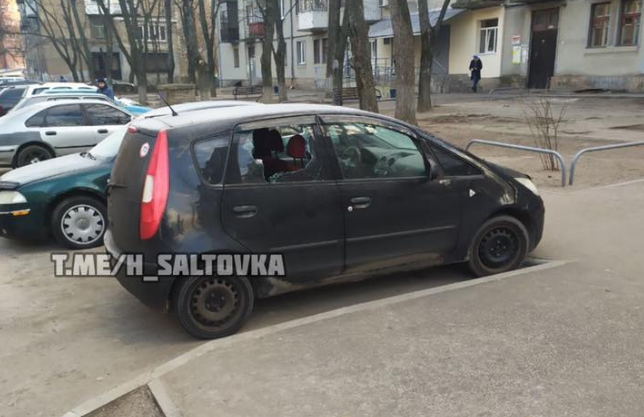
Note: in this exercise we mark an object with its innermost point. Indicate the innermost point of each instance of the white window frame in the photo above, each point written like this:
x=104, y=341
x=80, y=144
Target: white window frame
x=485, y=33
x=301, y=53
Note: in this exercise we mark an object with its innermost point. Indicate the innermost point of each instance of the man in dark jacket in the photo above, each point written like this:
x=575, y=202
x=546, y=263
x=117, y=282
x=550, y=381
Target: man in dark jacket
x=103, y=88
x=475, y=67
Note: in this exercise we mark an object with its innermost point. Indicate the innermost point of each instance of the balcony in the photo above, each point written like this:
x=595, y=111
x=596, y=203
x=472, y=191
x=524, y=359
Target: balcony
x=313, y=15
x=256, y=30
x=372, y=11
x=229, y=31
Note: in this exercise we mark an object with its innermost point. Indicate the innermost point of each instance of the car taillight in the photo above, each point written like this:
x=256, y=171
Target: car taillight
x=156, y=188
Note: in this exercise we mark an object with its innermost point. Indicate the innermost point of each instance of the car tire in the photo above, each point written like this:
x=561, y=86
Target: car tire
x=500, y=245
x=213, y=307
x=79, y=222
x=31, y=154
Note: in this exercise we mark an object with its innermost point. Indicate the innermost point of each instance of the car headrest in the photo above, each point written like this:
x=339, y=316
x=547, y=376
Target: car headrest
x=296, y=147
x=275, y=141
x=260, y=143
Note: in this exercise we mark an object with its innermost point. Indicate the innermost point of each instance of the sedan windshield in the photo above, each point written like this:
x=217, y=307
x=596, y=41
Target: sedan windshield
x=108, y=148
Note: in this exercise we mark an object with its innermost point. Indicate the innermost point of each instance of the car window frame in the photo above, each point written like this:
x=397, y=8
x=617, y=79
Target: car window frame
x=89, y=119
x=230, y=180
x=195, y=161
x=44, y=124
x=388, y=124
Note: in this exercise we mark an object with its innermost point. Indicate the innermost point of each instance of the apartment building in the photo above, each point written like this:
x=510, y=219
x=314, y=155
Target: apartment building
x=306, y=32
x=43, y=62
x=565, y=44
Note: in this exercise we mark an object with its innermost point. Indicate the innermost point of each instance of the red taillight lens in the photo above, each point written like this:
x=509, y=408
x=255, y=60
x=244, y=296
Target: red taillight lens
x=156, y=188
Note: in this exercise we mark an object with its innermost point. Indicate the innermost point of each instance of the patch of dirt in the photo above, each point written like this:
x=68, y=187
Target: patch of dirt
x=639, y=127
x=138, y=403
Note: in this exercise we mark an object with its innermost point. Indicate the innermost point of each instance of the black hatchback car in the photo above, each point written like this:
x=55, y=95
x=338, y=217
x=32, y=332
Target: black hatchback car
x=342, y=194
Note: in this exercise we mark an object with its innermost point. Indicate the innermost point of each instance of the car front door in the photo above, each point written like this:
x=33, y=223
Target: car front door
x=279, y=197
x=395, y=212
x=105, y=119
x=65, y=128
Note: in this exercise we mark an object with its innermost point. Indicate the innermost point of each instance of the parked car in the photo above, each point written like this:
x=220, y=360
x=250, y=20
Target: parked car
x=65, y=197
x=5, y=83
x=57, y=95
x=12, y=95
x=46, y=130
x=9, y=97
x=341, y=193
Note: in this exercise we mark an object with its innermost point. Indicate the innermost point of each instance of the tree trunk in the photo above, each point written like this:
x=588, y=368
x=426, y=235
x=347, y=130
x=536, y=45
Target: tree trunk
x=280, y=53
x=426, y=58
x=335, y=35
x=428, y=36
x=169, y=32
x=190, y=34
x=404, y=56
x=204, y=80
x=267, y=54
x=361, y=55
x=339, y=52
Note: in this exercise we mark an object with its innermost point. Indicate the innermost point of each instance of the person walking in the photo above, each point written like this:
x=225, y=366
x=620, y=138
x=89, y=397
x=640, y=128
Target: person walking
x=475, y=68
x=103, y=88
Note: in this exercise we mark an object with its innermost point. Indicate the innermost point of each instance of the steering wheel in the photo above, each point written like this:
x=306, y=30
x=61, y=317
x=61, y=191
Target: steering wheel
x=352, y=156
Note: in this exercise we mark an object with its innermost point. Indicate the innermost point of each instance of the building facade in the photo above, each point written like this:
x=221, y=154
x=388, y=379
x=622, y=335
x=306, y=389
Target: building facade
x=44, y=63
x=562, y=45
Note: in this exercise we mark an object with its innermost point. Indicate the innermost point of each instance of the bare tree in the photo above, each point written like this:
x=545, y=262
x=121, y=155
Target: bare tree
x=404, y=65
x=279, y=53
x=428, y=37
x=60, y=30
x=361, y=55
x=167, y=5
x=187, y=15
x=208, y=21
x=544, y=121
x=266, y=10
x=337, y=45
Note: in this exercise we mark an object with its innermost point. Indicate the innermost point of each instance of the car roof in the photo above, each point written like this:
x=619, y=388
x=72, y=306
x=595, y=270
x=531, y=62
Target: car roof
x=198, y=105
x=234, y=115
x=72, y=91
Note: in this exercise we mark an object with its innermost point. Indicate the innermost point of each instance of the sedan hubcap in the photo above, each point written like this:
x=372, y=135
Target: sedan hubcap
x=83, y=224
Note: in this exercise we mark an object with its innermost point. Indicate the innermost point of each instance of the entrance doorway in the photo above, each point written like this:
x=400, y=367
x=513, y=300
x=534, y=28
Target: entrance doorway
x=543, y=47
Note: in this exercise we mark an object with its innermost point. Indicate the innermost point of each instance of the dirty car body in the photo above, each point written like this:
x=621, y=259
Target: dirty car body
x=364, y=195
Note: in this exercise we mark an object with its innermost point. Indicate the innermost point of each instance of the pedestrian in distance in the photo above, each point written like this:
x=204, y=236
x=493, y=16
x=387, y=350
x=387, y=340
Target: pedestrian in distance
x=103, y=88
x=62, y=79
x=475, y=68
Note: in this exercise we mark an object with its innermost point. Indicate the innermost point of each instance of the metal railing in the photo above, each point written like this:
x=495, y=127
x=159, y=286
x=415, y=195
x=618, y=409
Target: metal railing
x=525, y=148
x=579, y=154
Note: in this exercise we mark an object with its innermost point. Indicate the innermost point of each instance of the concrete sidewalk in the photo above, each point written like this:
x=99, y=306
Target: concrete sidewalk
x=560, y=339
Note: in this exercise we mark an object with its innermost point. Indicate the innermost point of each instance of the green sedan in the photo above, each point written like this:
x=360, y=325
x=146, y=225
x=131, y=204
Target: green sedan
x=63, y=196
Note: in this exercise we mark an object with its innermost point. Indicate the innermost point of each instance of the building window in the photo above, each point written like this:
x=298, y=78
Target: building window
x=320, y=51
x=489, y=32
x=374, y=48
x=629, y=25
x=98, y=30
x=301, y=53
x=599, y=19
x=236, y=57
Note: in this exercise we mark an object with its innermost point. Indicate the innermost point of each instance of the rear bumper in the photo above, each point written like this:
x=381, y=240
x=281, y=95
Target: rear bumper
x=156, y=294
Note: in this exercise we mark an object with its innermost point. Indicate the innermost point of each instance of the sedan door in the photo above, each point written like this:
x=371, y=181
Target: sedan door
x=105, y=119
x=65, y=128
x=395, y=213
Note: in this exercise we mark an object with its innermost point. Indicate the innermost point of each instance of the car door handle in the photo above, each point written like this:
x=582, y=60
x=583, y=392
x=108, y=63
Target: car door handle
x=360, y=202
x=103, y=131
x=50, y=133
x=245, y=212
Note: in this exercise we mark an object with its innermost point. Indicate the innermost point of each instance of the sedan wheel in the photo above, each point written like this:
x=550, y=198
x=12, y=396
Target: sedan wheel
x=80, y=222
x=32, y=155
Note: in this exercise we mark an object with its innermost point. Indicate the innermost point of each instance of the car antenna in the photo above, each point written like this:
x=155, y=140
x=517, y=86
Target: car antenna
x=174, y=113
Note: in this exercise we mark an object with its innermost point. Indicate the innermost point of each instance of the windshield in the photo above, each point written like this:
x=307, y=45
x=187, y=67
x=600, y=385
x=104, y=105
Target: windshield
x=108, y=148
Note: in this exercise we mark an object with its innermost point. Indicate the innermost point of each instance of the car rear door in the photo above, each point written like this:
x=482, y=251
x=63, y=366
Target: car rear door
x=277, y=202
x=394, y=212
x=65, y=128
x=104, y=119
